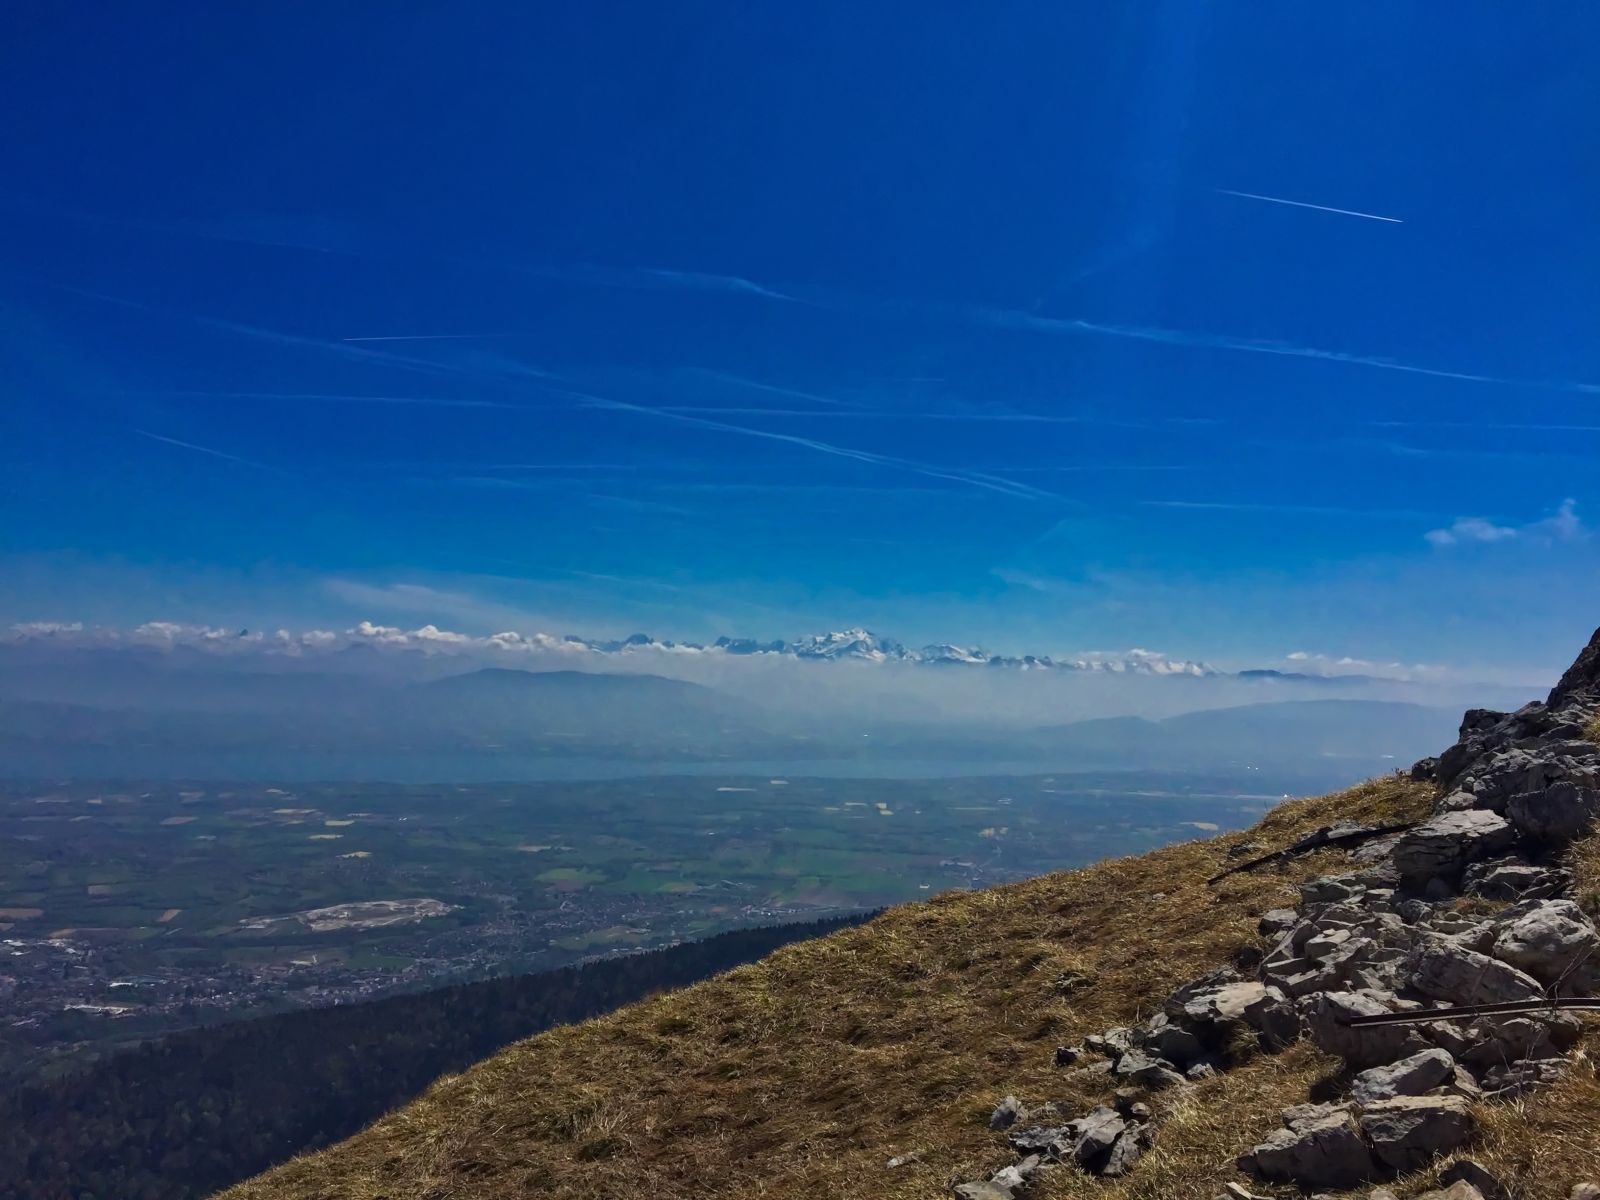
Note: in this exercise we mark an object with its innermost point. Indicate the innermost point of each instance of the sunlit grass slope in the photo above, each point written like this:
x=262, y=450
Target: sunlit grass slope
x=802, y=1075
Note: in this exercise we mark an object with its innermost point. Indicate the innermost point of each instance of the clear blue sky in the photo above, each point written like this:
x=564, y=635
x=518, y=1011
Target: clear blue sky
x=936, y=318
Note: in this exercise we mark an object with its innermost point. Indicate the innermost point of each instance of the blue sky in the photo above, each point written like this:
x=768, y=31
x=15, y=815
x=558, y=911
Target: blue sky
x=715, y=318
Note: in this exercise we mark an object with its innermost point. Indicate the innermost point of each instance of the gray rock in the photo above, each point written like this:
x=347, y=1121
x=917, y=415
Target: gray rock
x=1411, y=1076
x=1507, y=1081
x=1557, y=814
x=1585, y=1191
x=1148, y=1072
x=1177, y=1044
x=1511, y=879
x=1277, y=921
x=1008, y=1178
x=1446, y=971
x=1330, y=889
x=1274, y=1018
x=1441, y=847
x=1126, y=1151
x=1094, y=1135
x=1113, y=1043
x=1007, y=1113
x=1470, y=1171
x=1319, y=1151
x=1552, y=940
x=1327, y=1021
x=1067, y=1055
x=1459, y=1190
x=1408, y=1132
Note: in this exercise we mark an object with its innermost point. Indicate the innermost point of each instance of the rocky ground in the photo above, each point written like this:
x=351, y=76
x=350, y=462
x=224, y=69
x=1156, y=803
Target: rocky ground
x=1390, y=965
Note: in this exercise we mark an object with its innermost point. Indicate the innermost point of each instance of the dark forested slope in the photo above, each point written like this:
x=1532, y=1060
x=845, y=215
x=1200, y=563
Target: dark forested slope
x=186, y=1116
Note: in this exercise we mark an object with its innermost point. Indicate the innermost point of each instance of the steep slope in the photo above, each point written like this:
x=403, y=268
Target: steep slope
x=806, y=1074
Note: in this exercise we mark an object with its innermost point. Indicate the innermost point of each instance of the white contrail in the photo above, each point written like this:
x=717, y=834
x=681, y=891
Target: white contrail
x=1344, y=212
x=429, y=337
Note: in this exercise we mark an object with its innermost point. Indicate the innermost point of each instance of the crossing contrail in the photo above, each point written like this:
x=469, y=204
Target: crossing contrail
x=1344, y=212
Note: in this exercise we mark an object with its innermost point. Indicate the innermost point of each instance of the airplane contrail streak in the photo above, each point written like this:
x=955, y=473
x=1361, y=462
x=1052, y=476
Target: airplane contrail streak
x=1345, y=212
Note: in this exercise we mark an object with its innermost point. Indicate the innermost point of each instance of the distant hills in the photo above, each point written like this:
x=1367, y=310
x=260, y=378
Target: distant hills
x=99, y=713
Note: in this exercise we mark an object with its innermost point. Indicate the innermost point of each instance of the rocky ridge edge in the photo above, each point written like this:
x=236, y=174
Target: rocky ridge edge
x=1387, y=936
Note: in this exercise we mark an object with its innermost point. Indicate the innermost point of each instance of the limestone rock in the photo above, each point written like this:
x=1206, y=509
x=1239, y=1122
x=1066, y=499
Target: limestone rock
x=1411, y=1076
x=1470, y=1171
x=1585, y=1191
x=1447, y=971
x=1327, y=1018
x=1325, y=1150
x=1564, y=810
x=1407, y=1132
x=1552, y=940
x=1442, y=846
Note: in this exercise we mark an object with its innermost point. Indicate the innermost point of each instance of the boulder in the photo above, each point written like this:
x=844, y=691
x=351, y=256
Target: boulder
x=1408, y=1132
x=1322, y=1149
x=1327, y=1020
x=1126, y=1150
x=1442, y=846
x=1564, y=810
x=1411, y=1076
x=1553, y=941
x=1442, y=969
x=1093, y=1136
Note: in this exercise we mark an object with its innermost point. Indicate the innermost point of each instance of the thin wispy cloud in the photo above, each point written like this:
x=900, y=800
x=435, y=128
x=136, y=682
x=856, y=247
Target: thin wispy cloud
x=993, y=483
x=655, y=279
x=348, y=398
x=1318, y=510
x=434, y=337
x=1013, y=319
x=1343, y=212
x=199, y=449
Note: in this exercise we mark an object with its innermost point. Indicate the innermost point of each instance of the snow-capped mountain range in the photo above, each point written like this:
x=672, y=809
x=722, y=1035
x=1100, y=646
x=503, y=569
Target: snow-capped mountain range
x=864, y=645
x=858, y=645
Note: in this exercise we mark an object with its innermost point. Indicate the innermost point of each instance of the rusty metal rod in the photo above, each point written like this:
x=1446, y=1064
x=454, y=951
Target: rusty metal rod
x=1509, y=1008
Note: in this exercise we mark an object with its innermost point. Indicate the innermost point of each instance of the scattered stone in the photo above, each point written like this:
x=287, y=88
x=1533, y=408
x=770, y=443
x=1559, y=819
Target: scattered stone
x=1407, y=1132
x=1067, y=1055
x=1441, y=847
x=1007, y=1113
x=1413, y=1076
x=1585, y=1191
x=1470, y=1171
x=904, y=1160
x=1511, y=879
x=1321, y=1151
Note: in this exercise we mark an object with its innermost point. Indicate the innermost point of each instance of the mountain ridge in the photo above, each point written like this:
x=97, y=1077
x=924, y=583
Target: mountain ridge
x=888, y=1060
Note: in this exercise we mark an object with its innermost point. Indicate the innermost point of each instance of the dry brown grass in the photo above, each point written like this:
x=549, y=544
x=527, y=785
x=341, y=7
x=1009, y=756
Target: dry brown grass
x=800, y=1075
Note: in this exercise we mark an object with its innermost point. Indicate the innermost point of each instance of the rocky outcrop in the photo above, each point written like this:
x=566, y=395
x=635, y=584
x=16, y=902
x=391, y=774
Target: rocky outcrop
x=1389, y=938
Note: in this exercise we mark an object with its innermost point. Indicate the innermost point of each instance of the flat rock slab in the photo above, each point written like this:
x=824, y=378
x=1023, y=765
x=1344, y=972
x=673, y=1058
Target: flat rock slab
x=1408, y=1132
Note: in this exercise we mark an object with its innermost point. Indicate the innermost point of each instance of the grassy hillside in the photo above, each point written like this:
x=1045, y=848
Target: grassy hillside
x=802, y=1075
